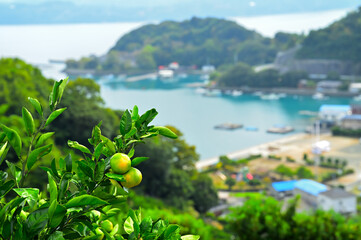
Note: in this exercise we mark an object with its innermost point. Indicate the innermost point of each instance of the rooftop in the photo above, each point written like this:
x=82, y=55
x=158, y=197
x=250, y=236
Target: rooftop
x=284, y=186
x=337, y=193
x=329, y=107
x=310, y=186
x=353, y=117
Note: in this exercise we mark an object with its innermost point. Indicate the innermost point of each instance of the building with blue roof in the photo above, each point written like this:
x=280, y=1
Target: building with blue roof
x=351, y=122
x=334, y=113
x=281, y=189
x=309, y=190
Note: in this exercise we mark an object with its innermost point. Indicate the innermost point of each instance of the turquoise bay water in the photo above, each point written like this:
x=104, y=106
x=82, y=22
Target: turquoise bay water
x=196, y=115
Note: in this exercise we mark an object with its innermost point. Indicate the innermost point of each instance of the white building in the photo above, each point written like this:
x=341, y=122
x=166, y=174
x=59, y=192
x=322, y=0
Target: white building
x=309, y=190
x=351, y=122
x=334, y=113
x=355, y=88
x=338, y=200
x=208, y=68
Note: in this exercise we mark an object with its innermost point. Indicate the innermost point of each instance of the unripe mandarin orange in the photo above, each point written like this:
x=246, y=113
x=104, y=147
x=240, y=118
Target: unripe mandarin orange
x=132, y=178
x=120, y=163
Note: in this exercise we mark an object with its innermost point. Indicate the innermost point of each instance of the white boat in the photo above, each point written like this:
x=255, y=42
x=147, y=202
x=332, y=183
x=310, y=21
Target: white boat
x=282, y=95
x=318, y=96
x=271, y=96
x=357, y=98
x=213, y=93
x=201, y=90
x=236, y=93
x=258, y=93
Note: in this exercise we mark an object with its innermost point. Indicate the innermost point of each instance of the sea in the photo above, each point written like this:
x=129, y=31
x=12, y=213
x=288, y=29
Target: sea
x=178, y=105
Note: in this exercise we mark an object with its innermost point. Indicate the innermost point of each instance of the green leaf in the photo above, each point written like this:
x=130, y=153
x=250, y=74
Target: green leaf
x=64, y=184
x=62, y=86
x=14, y=139
x=146, y=225
x=86, y=169
x=36, y=104
x=125, y=123
x=43, y=137
x=6, y=187
x=38, y=153
x=8, y=207
x=96, y=133
x=135, y=114
x=110, y=148
x=166, y=132
x=30, y=194
x=28, y=121
x=15, y=171
x=53, y=97
x=56, y=214
x=54, y=169
x=148, y=116
x=36, y=222
x=131, y=133
x=138, y=160
x=54, y=115
x=131, y=152
x=171, y=231
x=58, y=235
x=128, y=225
x=53, y=188
x=100, y=168
x=84, y=200
x=98, y=150
x=116, y=177
x=68, y=163
x=76, y=145
x=4, y=108
x=3, y=152
x=190, y=237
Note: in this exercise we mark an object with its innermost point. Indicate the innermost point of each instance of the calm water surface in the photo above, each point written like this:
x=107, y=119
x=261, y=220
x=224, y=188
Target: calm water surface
x=196, y=115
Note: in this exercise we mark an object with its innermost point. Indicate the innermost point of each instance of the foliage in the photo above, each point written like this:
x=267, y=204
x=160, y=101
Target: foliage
x=82, y=193
x=18, y=81
x=284, y=171
x=263, y=218
x=304, y=172
x=84, y=110
x=340, y=40
x=191, y=42
x=338, y=131
x=242, y=74
x=230, y=182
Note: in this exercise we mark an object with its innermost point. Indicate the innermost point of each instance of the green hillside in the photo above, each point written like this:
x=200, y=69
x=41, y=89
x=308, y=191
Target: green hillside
x=199, y=41
x=341, y=40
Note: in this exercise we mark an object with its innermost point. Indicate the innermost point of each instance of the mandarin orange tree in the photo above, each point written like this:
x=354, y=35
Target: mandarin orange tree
x=82, y=194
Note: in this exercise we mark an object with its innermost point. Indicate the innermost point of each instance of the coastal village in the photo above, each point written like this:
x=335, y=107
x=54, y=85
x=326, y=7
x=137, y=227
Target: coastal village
x=320, y=166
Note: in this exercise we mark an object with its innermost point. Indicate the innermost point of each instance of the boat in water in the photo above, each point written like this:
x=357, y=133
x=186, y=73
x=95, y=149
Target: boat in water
x=280, y=129
x=271, y=96
x=318, y=96
x=200, y=90
x=228, y=126
x=357, y=98
x=213, y=93
x=236, y=93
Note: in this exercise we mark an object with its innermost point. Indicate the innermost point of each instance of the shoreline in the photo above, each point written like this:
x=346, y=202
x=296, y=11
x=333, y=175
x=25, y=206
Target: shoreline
x=262, y=149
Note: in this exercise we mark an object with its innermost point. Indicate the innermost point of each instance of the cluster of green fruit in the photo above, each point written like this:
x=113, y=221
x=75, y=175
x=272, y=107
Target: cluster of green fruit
x=120, y=163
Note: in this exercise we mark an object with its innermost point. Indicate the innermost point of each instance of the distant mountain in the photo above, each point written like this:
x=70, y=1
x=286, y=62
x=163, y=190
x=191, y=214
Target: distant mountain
x=81, y=11
x=341, y=40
